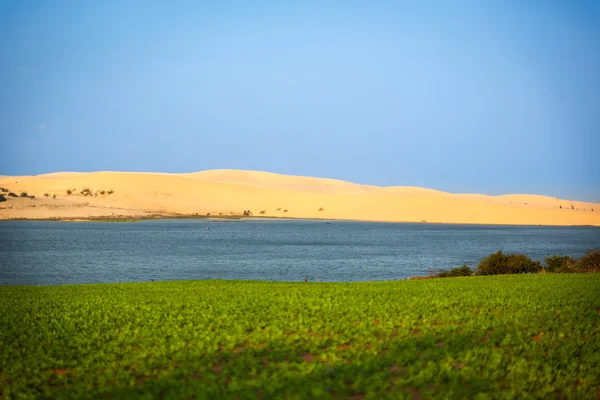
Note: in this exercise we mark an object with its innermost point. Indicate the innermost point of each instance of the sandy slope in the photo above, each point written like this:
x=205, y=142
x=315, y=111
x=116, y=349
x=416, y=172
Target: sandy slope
x=231, y=191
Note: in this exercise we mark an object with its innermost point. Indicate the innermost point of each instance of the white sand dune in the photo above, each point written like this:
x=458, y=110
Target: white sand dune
x=229, y=192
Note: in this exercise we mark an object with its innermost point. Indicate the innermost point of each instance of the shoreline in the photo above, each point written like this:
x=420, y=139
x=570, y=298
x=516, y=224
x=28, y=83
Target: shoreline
x=233, y=218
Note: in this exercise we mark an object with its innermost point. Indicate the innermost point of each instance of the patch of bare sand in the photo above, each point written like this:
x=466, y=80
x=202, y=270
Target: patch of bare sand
x=226, y=192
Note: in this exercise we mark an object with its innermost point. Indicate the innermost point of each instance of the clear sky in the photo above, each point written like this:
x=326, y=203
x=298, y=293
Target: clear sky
x=463, y=96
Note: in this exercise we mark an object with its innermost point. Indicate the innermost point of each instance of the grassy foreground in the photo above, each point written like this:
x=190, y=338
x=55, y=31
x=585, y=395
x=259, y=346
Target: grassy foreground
x=525, y=336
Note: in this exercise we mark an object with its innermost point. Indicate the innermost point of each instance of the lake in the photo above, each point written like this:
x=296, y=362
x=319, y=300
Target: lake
x=49, y=253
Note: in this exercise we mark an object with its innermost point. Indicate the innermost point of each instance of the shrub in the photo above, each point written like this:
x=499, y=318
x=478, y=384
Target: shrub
x=263, y=211
x=86, y=192
x=454, y=272
x=24, y=194
x=279, y=209
x=4, y=190
x=2, y=198
x=69, y=192
x=247, y=213
x=589, y=263
x=285, y=211
x=46, y=195
x=110, y=191
x=54, y=196
x=11, y=194
x=499, y=264
x=103, y=192
x=321, y=209
x=559, y=264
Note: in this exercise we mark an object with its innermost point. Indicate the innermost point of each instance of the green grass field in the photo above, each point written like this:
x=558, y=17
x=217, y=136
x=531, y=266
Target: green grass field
x=527, y=336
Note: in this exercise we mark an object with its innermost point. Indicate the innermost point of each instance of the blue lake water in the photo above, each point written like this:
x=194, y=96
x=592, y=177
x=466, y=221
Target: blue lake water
x=48, y=253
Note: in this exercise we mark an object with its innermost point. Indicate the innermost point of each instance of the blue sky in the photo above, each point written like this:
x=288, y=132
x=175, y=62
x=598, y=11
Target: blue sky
x=466, y=96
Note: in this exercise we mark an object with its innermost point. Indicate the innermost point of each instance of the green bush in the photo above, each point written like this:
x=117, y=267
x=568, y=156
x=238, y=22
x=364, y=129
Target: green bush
x=500, y=264
x=559, y=264
x=24, y=194
x=454, y=272
x=589, y=263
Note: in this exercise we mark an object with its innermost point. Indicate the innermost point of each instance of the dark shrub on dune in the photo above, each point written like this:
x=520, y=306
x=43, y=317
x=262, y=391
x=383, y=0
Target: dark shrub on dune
x=500, y=264
x=11, y=194
x=2, y=198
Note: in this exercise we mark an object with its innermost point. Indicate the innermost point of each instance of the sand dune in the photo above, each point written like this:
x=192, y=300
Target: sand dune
x=227, y=192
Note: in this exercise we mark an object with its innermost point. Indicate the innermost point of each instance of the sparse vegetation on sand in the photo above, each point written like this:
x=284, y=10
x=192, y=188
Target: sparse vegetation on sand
x=3, y=190
x=2, y=198
x=510, y=336
x=86, y=192
x=11, y=194
x=24, y=194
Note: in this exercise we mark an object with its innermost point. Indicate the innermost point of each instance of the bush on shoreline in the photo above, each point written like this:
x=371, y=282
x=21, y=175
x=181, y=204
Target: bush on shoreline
x=502, y=264
x=499, y=264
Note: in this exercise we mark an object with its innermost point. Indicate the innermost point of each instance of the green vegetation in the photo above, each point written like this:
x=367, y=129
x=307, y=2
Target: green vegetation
x=501, y=264
x=86, y=192
x=455, y=272
x=24, y=194
x=11, y=194
x=54, y=196
x=590, y=262
x=3, y=190
x=69, y=192
x=2, y=198
x=510, y=336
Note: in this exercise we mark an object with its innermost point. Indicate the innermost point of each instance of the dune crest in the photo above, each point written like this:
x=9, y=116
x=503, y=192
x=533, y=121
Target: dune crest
x=230, y=192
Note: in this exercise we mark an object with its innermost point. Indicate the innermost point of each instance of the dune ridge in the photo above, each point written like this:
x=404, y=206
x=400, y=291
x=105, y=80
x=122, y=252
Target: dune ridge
x=230, y=192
